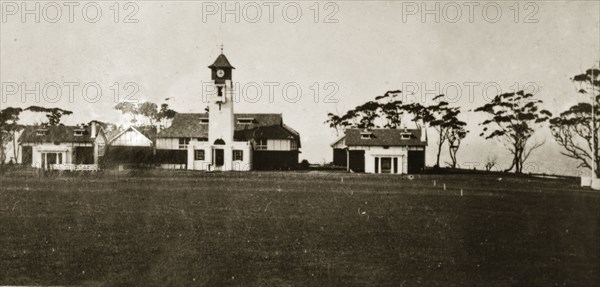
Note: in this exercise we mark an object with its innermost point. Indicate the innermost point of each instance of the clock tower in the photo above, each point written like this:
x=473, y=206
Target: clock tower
x=220, y=113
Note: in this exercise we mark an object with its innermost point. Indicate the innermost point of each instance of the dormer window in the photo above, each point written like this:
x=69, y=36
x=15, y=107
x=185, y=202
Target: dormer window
x=245, y=121
x=405, y=136
x=204, y=121
x=183, y=143
x=366, y=136
x=40, y=133
x=78, y=133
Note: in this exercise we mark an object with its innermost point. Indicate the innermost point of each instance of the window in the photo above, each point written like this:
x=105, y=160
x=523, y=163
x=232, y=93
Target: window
x=183, y=143
x=238, y=155
x=78, y=133
x=365, y=136
x=40, y=133
x=245, y=121
x=405, y=136
x=220, y=92
x=204, y=121
x=294, y=145
x=101, y=150
x=199, y=154
x=386, y=165
x=261, y=144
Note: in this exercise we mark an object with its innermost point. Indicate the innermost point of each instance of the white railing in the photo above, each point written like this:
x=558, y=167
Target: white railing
x=75, y=167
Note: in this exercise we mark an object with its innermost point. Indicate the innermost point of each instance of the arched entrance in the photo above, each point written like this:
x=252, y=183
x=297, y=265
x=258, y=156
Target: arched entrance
x=218, y=153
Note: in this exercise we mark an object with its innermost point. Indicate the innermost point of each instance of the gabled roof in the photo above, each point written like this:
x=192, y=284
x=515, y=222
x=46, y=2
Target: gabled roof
x=190, y=126
x=268, y=132
x=221, y=62
x=138, y=130
x=62, y=134
x=337, y=140
x=384, y=137
x=147, y=131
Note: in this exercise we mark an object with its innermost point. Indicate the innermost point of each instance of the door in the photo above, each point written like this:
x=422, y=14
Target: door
x=51, y=159
x=219, y=157
x=416, y=161
x=386, y=165
x=357, y=160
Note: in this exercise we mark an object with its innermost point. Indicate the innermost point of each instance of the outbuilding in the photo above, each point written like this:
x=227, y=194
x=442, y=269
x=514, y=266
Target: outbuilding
x=393, y=151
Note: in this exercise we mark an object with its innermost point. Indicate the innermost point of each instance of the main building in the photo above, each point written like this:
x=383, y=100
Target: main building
x=223, y=140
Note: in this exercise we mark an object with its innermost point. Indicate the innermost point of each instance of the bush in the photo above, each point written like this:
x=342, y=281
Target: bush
x=304, y=164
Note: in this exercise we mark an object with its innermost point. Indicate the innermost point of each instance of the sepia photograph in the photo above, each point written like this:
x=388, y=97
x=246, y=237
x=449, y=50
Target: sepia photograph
x=299, y=143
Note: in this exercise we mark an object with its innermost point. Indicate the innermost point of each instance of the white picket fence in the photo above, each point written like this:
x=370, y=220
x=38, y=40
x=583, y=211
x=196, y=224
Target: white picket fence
x=75, y=167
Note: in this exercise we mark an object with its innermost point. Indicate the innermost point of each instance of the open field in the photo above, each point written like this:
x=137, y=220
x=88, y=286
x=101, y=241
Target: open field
x=168, y=228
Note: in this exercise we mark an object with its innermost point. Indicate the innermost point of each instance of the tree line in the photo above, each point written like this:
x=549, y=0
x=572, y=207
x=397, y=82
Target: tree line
x=512, y=119
x=142, y=114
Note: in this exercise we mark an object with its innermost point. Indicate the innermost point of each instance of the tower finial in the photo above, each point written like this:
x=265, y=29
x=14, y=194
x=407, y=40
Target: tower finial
x=221, y=48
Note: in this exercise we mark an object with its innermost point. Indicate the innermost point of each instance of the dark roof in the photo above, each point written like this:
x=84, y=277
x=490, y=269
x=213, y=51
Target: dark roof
x=56, y=134
x=221, y=62
x=188, y=125
x=384, y=137
x=278, y=132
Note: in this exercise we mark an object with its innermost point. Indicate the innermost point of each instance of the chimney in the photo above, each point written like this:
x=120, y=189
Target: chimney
x=93, y=133
x=424, y=132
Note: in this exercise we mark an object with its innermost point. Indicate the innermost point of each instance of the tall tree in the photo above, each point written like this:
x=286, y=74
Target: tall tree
x=148, y=110
x=441, y=115
x=456, y=133
x=165, y=113
x=366, y=114
x=514, y=117
x=391, y=109
x=9, y=126
x=128, y=108
x=574, y=128
x=442, y=118
x=385, y=111
x=54, y=115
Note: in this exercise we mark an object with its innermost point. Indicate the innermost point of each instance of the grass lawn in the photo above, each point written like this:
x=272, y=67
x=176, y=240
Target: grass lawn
x=180, y=228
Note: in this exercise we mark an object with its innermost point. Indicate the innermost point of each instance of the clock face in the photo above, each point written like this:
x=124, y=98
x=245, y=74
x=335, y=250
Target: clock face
x=220, y=73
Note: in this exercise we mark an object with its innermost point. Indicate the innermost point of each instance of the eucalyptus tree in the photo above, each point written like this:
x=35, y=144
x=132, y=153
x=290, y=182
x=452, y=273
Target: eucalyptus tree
x=574, y=128
x=54, y=115
x=513, y=119
x=9, y=127
x=455, y=134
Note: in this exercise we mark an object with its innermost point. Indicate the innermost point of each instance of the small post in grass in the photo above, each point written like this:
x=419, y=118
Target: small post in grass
x=434, y=182
x=444, y=187
x=461, y=192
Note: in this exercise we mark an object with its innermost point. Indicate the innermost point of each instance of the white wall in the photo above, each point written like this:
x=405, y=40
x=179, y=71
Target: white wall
x=9, y=149
x=38, y=150
x=220, y=122
x=167, y=143
x=131, y=138
x=99, y=141
x=229, y=163
x=279, y=145
x=401, y=153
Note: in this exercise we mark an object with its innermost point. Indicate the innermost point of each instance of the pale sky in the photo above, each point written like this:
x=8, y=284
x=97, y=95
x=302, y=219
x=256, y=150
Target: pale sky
x=371, y=49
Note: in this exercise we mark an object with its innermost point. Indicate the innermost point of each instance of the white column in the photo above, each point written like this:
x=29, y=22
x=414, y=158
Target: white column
x=347, y=159
x=190, y=157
